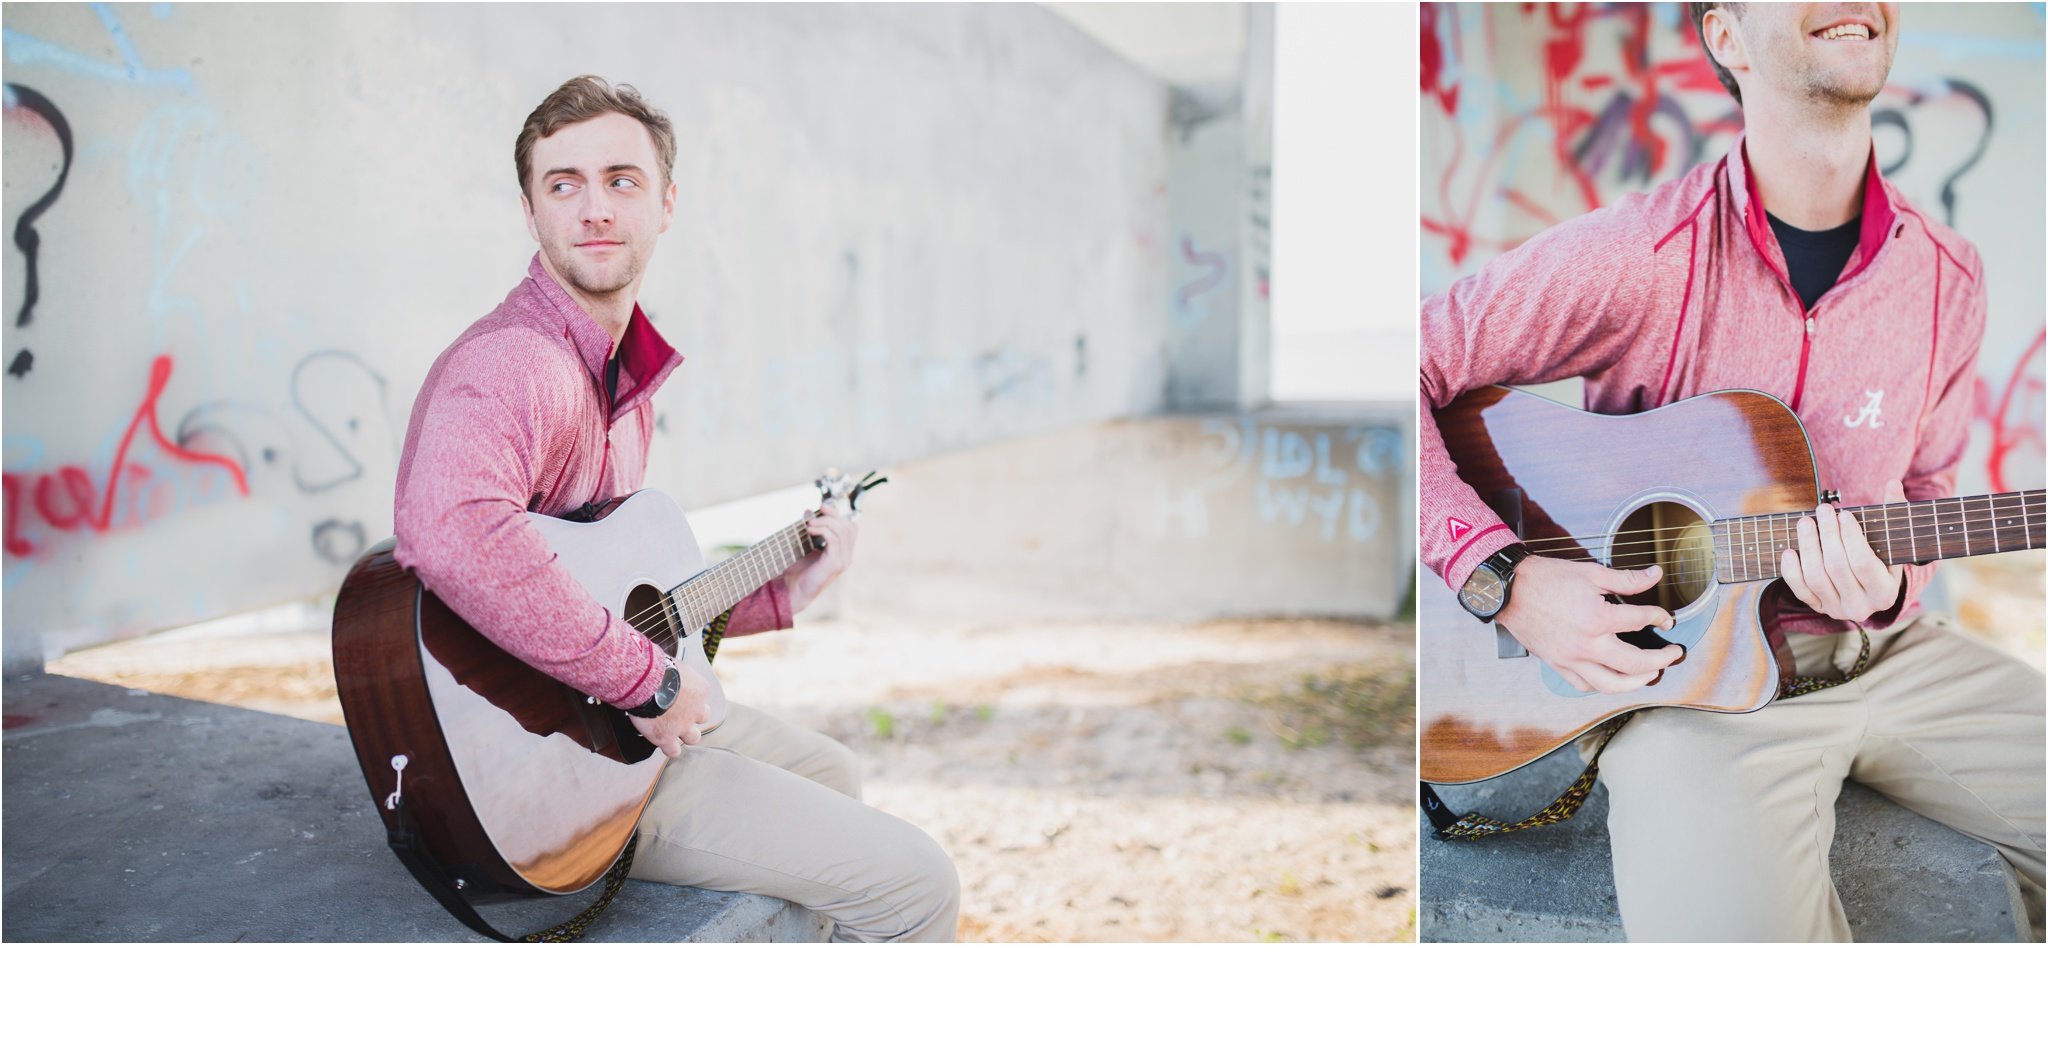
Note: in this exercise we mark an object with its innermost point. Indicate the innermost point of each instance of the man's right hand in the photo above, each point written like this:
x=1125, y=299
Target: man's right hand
x=1558, y=608
x=682, y=724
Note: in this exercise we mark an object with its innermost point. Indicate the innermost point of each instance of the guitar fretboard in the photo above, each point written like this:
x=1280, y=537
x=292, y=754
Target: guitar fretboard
x=1749, y=548
x=699, y=600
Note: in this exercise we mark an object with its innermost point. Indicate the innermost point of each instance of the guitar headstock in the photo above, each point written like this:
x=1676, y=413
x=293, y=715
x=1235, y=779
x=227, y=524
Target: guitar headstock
x=838, y=489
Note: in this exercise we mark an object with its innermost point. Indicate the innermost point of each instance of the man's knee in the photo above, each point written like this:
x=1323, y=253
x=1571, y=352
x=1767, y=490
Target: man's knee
x=938, y=915
x=916, y=898
x=837, y=767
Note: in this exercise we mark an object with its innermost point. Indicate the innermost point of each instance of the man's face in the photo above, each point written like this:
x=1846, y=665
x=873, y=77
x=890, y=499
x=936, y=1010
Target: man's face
x=596, y=203
x=1837, y=54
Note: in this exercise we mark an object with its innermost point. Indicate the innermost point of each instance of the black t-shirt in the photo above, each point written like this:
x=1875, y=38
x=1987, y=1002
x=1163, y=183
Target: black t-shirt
x=1814, y=260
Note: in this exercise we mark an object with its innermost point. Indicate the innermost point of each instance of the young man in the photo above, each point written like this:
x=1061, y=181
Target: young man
x=1790, y=266
x=545, y=405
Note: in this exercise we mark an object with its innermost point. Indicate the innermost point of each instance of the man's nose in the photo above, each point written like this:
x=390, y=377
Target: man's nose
x=597, y=208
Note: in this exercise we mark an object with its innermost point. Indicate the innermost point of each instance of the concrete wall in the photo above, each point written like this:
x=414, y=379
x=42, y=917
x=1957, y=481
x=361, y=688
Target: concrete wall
x=1222, y=204
x=1288, y=511
x=1532, y=115
x=902, y=230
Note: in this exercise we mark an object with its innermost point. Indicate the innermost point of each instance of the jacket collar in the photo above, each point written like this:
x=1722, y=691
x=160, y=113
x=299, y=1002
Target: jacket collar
x=1880, y=214
x=646, y=358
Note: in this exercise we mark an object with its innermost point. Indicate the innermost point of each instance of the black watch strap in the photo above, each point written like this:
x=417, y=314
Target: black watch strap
x=1505, y=560
x=1501, y=565
x=664, y=696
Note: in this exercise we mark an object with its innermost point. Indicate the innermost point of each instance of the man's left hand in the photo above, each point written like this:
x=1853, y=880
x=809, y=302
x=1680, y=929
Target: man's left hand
x=1835, y=572
x=815, y=571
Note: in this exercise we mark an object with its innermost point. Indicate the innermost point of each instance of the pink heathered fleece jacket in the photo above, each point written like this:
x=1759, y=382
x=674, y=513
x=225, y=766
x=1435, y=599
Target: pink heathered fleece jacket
x=1684, y=291
x=512, y=419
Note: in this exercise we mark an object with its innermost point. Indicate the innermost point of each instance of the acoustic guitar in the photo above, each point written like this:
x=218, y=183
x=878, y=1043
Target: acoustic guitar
x=495, y=780
x=1711, y=489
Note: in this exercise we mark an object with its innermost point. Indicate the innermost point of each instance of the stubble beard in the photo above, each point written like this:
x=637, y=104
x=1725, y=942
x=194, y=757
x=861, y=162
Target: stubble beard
x=592, y=283
x=1833, y=92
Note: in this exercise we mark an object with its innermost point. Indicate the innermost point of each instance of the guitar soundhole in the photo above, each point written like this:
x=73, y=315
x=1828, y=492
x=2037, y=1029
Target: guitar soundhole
x=1673, y=536
x=644, y=610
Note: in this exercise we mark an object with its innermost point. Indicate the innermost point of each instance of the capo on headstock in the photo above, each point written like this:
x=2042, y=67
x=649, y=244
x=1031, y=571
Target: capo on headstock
x=835, y=487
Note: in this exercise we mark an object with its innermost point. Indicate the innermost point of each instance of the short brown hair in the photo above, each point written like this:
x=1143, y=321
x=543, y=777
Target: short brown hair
x=587, y=98
x=1699, y=30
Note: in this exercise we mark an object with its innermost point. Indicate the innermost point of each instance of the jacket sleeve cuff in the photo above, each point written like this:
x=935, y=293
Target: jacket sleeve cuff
x=1918, y=576
x=642, y=689
x=1475, y=550
x=767, y=609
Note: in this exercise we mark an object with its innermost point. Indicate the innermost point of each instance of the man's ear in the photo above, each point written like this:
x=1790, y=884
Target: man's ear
x=668, y=205
x=1718, y=36
x=526, y=205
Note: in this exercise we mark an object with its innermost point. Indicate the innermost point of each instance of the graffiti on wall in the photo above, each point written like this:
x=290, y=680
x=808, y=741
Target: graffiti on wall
x=1323, y=480
x=1533, y=114
x=274, y=425
x=36, y=112
x=135, y=486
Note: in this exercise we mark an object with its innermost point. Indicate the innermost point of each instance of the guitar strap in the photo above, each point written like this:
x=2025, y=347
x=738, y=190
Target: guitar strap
x=405, y=842
x=1451, y=825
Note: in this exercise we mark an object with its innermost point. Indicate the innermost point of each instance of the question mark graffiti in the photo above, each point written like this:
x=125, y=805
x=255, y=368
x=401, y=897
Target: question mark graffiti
x=25, y=236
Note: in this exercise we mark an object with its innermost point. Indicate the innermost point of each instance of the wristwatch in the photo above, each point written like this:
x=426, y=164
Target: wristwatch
x=664, y=697
x=1485, y=592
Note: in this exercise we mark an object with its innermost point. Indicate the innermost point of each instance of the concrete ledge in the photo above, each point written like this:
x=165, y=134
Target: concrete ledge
x=136, y=816
x=1901, y=876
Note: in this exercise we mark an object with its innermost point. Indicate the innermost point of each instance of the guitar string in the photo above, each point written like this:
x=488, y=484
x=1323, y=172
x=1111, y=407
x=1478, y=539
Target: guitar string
x=1859, y=511
x=1992, y=538
x=2026, y=517
x=1776, y=549
x=1766, y=537
x=742, y=563
x=1972, y=529
x=1670, y=575
x=696, y=595
x=700, y=591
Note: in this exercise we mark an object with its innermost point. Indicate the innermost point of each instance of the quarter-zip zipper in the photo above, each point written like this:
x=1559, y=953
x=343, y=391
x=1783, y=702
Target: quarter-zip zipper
x=611, y=396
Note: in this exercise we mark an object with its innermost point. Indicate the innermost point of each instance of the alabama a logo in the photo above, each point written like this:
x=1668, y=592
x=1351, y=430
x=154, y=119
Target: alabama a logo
x=1870, y=412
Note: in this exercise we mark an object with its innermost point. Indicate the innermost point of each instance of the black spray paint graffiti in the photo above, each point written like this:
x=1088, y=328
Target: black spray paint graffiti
x=339, y=541
x=343, y=402
x=24, y=361
x=25, y=235
x=1896, y=119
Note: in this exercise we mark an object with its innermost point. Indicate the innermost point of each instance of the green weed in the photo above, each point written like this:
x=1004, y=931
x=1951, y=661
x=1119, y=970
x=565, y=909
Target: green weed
x=881, y=723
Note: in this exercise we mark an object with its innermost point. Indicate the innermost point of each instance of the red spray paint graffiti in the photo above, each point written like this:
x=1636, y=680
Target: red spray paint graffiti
x=70, y=498
x=1208, y=281
x=1593, y=124
x=2014, y=414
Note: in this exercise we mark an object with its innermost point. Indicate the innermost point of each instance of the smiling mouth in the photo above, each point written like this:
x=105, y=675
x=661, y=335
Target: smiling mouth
x=1843, y=32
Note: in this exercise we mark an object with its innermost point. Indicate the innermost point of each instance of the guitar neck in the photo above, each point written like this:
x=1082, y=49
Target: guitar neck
x=1749, y=548
x=699, y=600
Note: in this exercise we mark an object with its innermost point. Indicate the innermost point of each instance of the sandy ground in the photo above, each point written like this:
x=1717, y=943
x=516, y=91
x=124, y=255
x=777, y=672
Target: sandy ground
x=1231, y=781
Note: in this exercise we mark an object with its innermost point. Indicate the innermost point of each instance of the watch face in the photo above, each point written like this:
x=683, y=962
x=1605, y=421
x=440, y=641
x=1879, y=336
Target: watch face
x=1483, y=592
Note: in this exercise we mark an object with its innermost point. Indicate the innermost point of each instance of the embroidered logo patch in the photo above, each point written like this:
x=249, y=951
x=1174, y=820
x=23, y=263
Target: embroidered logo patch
x=1459, y=528
x=1870, y=411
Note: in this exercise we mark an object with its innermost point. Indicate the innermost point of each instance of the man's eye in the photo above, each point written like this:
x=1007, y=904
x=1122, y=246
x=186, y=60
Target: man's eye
x=623, y=183
x=559, y=186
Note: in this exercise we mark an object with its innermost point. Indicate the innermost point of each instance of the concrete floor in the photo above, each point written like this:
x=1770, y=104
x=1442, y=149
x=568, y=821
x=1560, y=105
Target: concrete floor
x=133, y=816
x=1901, y=876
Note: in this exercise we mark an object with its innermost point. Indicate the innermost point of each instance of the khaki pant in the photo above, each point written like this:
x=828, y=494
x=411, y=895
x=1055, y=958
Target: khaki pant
x=1721, y=823
x=766, y=807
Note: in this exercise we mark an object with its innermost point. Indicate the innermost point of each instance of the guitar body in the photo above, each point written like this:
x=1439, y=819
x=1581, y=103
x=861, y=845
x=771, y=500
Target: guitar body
x=513, y=782
x=1612, y=484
